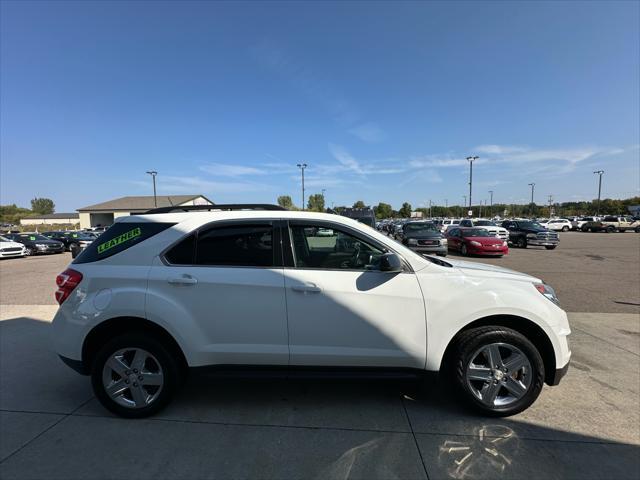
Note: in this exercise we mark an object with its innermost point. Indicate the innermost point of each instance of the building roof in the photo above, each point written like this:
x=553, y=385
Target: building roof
x=54, y=216
x=141, y=203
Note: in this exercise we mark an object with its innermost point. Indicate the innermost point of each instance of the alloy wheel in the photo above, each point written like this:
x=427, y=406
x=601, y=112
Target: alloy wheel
x=498, y=374
x=132, y=377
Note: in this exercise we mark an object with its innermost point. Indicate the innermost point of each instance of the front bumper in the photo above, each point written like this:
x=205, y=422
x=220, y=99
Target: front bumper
x=488, y=250
x=558, y=375
x=542, y=243
x=438, y=249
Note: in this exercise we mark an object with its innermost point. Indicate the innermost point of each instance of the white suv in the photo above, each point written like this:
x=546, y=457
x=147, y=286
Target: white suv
x=258, y=286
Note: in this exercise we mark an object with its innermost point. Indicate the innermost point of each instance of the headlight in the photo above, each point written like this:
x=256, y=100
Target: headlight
x=412, y=241
x=443, y=241
x=548, y=292
x=532, y=235
x=475, y=244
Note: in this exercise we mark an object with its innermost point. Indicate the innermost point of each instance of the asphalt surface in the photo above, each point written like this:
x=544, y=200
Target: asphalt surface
x=591, y=272
x=52, y=427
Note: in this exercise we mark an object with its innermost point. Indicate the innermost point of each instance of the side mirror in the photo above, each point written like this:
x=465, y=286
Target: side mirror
x=390, y=262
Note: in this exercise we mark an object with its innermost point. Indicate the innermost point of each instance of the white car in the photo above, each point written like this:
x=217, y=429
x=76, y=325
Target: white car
x=558, y=225
x=449, y=223
x=9, y=248
x=162, y=292
x=488, y=225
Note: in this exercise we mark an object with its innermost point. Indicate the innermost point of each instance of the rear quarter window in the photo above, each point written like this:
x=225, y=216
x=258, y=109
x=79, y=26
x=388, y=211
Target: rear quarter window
x=118, y=238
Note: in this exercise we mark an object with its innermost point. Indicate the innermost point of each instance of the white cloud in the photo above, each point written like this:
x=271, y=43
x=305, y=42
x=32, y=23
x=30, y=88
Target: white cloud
x=229, y=170
x=348, y=163
x=368, y=132
x=178, y=184
x=345, y=158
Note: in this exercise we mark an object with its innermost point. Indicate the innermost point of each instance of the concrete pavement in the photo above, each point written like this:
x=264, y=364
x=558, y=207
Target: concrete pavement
x=52, y=427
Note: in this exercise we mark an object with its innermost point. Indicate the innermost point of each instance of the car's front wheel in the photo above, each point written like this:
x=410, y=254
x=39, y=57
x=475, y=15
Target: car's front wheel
x=134, y=375
x=463, y=250
x=565, y=229
x=497, y=370
x=521, y=242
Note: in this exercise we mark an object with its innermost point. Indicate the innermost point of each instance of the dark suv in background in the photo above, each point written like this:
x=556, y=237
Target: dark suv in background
x=70, y=239
x=527, y=232
x=422, y=237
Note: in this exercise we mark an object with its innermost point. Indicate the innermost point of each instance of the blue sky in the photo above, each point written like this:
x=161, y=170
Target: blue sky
x=383, y=101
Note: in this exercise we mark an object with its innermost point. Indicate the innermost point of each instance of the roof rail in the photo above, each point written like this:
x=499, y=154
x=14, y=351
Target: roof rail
x=209, y=208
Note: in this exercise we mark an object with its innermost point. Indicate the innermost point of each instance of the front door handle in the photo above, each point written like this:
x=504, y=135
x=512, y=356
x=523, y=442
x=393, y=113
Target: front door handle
x=309, y=288
x=182, y=280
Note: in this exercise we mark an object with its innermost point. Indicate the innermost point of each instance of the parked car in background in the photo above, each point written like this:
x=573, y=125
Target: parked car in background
x=36, y=243
x=9, y=248
x=488, y=225
x=559, y=225
x=160, y=293
x=476, y=241
x=612, y=224
x=80, y=239
x=449, y=222
x=527, y=232
x=578, y=223
x=422, y=237
x=621, y=224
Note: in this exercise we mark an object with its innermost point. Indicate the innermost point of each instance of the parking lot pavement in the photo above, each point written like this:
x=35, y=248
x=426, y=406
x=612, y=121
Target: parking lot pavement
x=592, y=272
x=52, y=427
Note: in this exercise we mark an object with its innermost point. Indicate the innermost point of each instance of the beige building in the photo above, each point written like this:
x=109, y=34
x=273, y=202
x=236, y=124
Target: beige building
x=51, y=219
x=104, y=214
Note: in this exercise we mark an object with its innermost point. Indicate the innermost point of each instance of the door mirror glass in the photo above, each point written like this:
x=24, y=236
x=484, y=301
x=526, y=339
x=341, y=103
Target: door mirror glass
x=390, y=262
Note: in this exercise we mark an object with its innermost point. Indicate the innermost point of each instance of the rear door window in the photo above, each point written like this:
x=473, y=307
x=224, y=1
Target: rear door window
x=240, y=245
x=120, y=237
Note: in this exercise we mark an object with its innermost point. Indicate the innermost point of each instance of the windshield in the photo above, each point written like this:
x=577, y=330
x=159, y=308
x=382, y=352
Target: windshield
x=534, y=225
x=4, y=239
x=484, y=223
x=480, y=232
x=420, y=227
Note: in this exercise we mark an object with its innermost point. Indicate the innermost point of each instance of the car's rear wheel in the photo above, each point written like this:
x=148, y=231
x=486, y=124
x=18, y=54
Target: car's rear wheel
x=637, y=230
x=521, y=242
x=610, y=229
x=497, y=370
x=565, y=229
x=134, y=375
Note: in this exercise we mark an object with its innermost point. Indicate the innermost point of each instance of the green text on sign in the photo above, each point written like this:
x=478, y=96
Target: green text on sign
x=125, y=237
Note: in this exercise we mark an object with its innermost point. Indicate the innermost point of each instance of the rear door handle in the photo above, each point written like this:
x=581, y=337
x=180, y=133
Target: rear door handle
x=182, y=280
x=310, y=288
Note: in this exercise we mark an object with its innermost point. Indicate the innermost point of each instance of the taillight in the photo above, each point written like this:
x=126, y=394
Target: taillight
x=67, y=281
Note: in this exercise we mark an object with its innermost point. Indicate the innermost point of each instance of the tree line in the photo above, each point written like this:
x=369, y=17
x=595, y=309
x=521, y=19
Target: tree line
x=608, y=206
x=39, y=206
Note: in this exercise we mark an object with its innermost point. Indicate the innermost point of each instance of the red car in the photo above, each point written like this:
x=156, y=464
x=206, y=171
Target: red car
x=476, y=241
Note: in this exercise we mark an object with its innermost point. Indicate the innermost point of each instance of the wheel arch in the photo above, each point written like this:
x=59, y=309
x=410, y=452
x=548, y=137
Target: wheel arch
x=113, y=327
x=529, y=329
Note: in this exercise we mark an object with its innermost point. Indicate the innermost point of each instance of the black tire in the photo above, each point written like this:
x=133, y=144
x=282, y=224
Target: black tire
x=463, y=250
x=637, y=230
x=584, y=229
x=610, y=229
x=550, y=247
x=29, y=252
x=565, y=229
x=169, y=365
x=521, y=242
x=470, y=342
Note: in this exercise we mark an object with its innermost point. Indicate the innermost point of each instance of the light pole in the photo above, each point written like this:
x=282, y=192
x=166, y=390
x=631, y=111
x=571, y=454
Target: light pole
x=446, y=207
x=471, y=160
x=491, y=205
x=302, y=166
x=533, y=186
x=599, y=172
x=464, y=205
x=153, y=174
